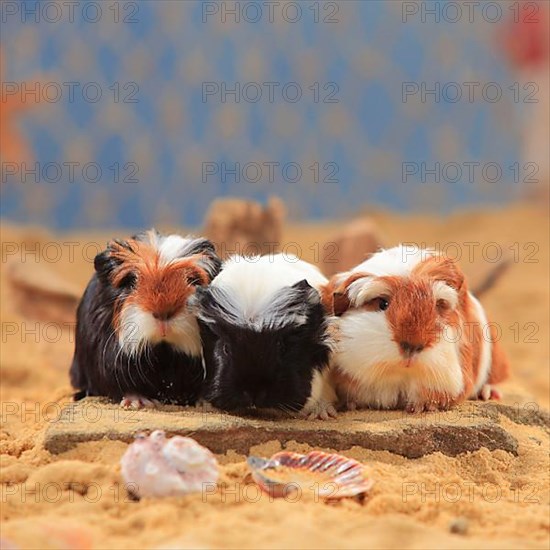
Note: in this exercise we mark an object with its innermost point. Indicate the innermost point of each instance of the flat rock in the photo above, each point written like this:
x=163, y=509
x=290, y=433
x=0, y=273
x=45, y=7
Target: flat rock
x=466, y=428
x=41, y=293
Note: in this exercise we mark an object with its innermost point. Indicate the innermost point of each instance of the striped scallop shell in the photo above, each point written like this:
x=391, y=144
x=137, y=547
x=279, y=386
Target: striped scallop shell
x=330, y=476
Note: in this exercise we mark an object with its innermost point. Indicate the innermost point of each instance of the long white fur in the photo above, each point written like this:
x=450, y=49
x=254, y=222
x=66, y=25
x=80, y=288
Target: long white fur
x=322, y=395
x=175, y=247
x=251, y=289
x=139, y=329
x=486, y=347
x=399, y=260
x=368, y=353
x=170, y=247
x=365, y=289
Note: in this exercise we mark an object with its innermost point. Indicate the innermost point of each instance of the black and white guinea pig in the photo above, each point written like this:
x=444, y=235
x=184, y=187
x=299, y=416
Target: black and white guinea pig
x=137, y=339
x=266, y=336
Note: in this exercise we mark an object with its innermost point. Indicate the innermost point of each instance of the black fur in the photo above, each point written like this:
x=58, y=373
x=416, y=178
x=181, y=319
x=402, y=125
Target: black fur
x=101, y=368
x=258, y=366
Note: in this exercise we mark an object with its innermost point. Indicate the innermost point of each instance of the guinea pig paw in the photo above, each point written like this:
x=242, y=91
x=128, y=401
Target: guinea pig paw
x=427, y=406
x=495, y=394
x=441, y=404
x=324, y=411
x=488, y=392
x=484, y=393
x=430, y=406
x=137, y=402
x=205, y=406
x=413, y=408
x=430, y=402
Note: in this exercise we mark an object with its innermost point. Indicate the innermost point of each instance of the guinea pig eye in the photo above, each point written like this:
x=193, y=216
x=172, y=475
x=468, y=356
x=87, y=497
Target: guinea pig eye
x=225, y=349
x=194, y=280
x=442, y=306
x=379, y=304
x=129, y=281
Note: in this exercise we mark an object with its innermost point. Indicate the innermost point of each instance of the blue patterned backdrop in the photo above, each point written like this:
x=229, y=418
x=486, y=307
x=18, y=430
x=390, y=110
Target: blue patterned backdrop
x=160, y=122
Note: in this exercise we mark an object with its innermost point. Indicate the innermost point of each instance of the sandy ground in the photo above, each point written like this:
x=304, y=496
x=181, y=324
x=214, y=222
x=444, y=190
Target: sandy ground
x=75, y=500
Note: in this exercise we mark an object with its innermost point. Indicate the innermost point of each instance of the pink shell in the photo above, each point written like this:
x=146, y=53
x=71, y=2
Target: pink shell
x=154, y=466
x=327, y=475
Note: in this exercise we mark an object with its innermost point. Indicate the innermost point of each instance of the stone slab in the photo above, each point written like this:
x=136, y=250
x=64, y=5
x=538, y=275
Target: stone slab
x=466, y=428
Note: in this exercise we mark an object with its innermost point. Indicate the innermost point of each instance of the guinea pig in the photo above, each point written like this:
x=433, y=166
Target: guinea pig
x=137, y=340
x=411, y=335
x=266, y=336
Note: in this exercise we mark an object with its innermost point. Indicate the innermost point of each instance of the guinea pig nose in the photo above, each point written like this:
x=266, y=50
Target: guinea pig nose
x=409, y=348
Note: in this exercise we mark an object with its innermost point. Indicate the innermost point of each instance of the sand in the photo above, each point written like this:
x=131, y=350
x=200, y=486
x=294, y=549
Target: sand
x=485, y=499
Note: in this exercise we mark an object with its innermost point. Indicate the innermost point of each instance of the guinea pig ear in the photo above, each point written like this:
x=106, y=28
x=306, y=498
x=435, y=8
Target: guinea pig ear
x=105, y=262
x=211, y=264
x=194, y=273
x=215, y=307
x=195, y=300
x=306, y=293
x=340, y=303
x=335, y=301
x=206, y=257
x=336, y=296
x=291, y=306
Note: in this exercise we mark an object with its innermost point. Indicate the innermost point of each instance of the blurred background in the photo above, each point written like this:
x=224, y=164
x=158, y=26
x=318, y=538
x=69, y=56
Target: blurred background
x=328, y=127
x=129, y=114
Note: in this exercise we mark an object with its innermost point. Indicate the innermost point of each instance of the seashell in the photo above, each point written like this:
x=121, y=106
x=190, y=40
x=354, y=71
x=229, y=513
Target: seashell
x=329, y=476
x=154, y=466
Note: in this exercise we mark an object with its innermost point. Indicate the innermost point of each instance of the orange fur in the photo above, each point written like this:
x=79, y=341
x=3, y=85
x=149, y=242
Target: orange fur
x=416, y=317
x=470, y=343
x=161, y=288
x=328, y=292
x=440, y=268
x=500, y=367
x=434, y=401
x=346, y=387
x=413, y=316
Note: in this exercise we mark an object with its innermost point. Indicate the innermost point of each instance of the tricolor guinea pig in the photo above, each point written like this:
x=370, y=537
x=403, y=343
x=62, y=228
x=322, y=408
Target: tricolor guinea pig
x=411, y=335
x=137, y=339
x=266, y=336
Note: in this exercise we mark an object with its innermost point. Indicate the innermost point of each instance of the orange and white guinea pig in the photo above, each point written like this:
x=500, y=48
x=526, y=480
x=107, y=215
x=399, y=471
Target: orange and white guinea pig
x=410, y=334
